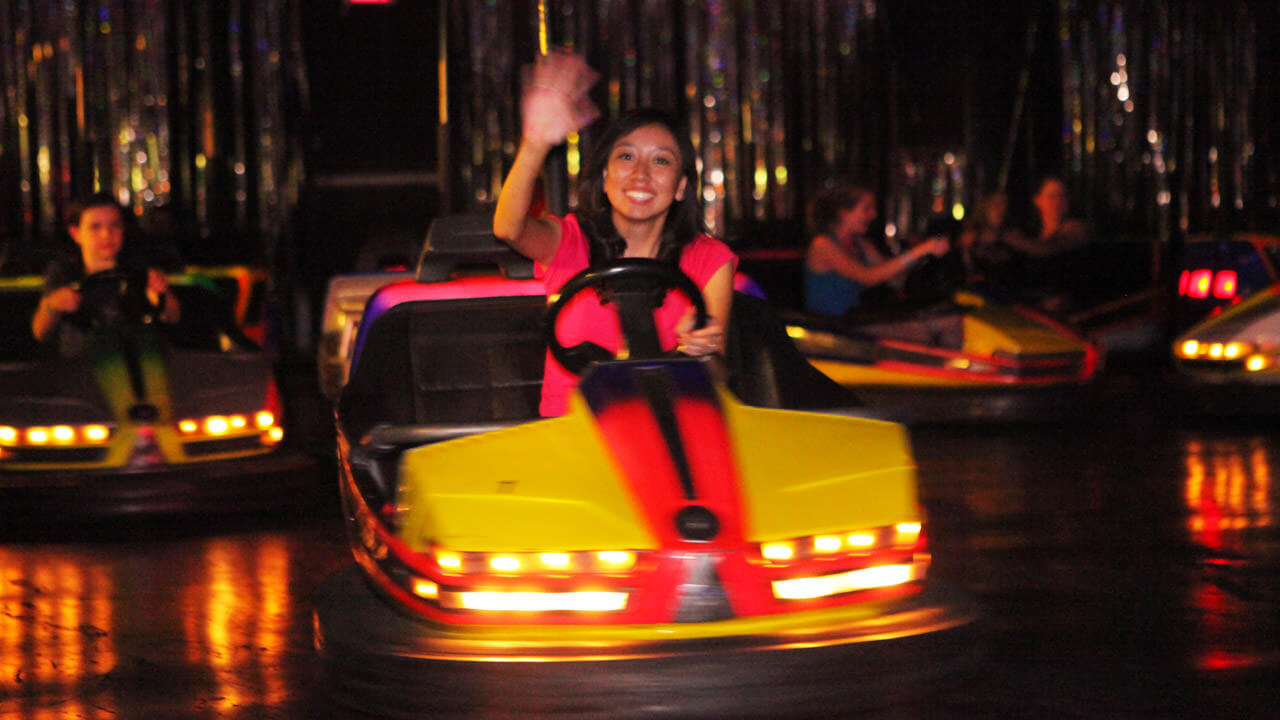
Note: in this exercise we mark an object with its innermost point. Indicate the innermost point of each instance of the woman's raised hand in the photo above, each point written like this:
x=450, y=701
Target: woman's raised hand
x=554, y=102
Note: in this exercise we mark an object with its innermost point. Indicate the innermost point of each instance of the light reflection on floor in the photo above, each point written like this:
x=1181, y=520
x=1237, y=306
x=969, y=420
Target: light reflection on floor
x=1230, y=506
x=56, y=634
x=210, y=619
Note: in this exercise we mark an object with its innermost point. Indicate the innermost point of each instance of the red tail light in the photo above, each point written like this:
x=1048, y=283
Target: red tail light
x=1199, y=284
x=1225, y=284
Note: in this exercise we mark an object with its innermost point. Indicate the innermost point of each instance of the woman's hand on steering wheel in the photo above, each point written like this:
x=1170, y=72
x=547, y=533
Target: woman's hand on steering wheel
x=635, y=287
x=700, y=341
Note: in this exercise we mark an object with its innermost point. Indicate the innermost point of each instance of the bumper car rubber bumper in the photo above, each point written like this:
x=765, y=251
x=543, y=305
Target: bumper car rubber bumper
x=236, y=485
x=378, y=659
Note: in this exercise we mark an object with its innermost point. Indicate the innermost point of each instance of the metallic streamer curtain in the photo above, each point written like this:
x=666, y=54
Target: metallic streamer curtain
x=774, y=93
x=1159, y=112
x=177, y=103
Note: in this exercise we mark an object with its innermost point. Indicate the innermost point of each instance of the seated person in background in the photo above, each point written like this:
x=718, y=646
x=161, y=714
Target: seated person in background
x=841, y=261
x=97, y=225
x=1052, y=232
x=1055, y=231
x=987, y=243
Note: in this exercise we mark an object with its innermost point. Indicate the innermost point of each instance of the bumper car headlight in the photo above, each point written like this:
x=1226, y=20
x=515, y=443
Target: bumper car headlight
x=901, y=536
x=453, y=562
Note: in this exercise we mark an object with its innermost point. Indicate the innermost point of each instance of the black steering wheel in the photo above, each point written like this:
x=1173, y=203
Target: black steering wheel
x=935, y=277
x=636, y=287
x=112, y=298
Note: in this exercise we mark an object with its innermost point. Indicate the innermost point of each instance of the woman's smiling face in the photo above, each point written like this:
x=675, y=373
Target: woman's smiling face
x=643, y=177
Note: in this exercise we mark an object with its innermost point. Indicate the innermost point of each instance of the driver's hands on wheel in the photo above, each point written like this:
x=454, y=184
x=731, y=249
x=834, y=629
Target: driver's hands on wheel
x=62, y=300
x=157, y=286
x=704, y=341
x=159, y=296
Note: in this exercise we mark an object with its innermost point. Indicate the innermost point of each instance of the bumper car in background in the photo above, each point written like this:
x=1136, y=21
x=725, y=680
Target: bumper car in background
x=146, y=417
x=1217, y=271
x=661, y=545
x=344, y=304
x=451, y=255
x=1229, y=363
x=960, y=358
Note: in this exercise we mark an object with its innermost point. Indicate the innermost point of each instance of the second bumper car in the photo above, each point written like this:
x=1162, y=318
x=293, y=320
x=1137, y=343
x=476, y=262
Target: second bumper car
x=966, y=357
x=1229, y=363
x=145, y=417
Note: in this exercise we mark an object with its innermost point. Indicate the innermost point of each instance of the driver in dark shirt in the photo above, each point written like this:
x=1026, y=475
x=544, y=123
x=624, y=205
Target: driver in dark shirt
x=96, y=224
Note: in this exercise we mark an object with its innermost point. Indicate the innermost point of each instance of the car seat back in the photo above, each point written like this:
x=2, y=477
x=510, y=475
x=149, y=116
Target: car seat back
x=460, y=346
x=458, y=243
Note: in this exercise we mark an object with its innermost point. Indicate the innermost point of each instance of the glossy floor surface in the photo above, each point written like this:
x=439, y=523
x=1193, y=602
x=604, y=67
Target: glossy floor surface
x=1128, y=567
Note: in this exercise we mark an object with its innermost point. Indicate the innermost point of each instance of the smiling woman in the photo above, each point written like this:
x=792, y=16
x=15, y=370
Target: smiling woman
x=638, y=199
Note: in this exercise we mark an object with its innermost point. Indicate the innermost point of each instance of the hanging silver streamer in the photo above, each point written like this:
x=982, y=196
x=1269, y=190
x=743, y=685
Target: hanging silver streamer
x=119, y=96
x=1158, y=99
x=740, y=72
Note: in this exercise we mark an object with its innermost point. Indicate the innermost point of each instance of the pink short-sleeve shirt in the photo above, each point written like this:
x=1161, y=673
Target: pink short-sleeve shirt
x=585, y=319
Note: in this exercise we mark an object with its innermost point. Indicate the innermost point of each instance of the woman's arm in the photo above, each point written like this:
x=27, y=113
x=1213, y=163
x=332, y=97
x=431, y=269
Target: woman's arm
x=718, y=294
x=537, y=238
x=825, y=256
x=554, y=104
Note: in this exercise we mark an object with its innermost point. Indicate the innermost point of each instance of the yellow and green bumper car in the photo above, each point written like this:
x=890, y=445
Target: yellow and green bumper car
x=140, y=416
x=965, y=357
x=1229, y=363
x=661, y=545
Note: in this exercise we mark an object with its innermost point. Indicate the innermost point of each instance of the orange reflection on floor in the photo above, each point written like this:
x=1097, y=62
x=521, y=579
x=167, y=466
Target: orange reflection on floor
x=244, y=595
x=56, y=637
x=1227, y=490
x=1228, y=493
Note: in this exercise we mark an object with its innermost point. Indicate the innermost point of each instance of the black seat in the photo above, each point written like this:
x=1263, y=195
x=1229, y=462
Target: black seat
x=454, y=362
x=767, y=370
x=458, y=243
x=460, y=362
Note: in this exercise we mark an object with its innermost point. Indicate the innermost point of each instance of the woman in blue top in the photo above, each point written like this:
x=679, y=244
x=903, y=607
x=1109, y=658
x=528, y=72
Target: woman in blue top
x=841, y=261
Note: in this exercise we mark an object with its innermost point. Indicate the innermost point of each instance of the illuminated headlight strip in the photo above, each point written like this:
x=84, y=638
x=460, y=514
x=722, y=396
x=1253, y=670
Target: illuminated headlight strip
x=526, y=563
x=781, y=552
x=213, y=426
x=535, y=602
x=1255, y=359
x=55, y=435
x=880, y=576
x=1228, y=351
x=521, y=601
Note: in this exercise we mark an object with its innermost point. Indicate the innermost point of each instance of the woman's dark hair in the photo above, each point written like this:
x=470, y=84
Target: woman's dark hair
x=77, y=206
x=595, y=214
x=824, y=210
x=1035, y=223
